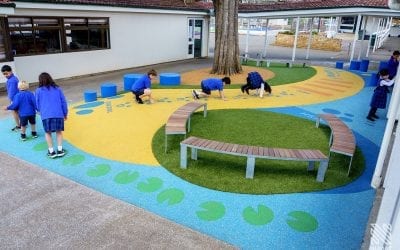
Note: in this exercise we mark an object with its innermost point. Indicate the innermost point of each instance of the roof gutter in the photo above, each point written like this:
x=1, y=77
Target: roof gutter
x=367, y=11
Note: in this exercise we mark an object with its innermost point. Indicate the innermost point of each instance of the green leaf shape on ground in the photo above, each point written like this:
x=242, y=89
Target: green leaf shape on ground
x=99, y=170
x=73, y=160
x=172, y=195
x=40, y=146
x=263, y=216
x=213, y=210
x=151, y=185
x=126, y=177
x=302, y=221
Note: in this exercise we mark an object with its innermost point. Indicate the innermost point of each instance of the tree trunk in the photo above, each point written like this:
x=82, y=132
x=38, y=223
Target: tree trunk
x=226, y=54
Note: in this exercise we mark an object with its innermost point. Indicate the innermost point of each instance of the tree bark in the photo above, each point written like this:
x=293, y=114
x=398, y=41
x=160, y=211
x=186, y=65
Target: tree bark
x=226, y=54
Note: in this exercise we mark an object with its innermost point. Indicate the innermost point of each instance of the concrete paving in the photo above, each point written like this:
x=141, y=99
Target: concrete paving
x=41, y=210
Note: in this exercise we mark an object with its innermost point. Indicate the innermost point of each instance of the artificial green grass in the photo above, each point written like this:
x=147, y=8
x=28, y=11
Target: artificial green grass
x=260, y=128
x=283, y=75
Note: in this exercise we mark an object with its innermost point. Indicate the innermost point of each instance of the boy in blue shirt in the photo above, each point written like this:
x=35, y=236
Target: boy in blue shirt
x=207, y=85
x=12, y=90
x=141, y=87
x=24, y=102
x=255, y=81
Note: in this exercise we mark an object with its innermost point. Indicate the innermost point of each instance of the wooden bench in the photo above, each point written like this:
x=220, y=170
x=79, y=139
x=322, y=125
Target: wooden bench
x=342, y=140
x=177, y=121
x=260, y=61
x=253, y=152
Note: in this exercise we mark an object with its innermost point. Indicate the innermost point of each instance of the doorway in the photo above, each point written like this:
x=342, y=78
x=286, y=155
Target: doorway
x=195, y=37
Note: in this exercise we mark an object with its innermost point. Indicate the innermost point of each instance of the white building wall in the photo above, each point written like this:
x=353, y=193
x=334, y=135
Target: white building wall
x=136, y=39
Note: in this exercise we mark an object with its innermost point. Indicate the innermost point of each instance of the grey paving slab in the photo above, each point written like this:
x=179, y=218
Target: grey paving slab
x=42, y=210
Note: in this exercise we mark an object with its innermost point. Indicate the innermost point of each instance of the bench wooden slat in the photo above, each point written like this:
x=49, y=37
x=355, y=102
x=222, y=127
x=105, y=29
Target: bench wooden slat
x=252, y=152
x=343, y=140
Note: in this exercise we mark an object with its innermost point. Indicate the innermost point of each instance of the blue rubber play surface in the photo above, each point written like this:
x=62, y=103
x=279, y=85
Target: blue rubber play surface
x=330, y=219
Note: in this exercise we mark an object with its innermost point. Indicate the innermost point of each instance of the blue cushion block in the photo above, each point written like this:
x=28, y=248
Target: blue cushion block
x=339, y=65
x=364, y=65
x=383, y=65
x=90, y=95
x=129, y=80
x=108, y=89
x=170, y=79
x=372, y=80
x=355, y=65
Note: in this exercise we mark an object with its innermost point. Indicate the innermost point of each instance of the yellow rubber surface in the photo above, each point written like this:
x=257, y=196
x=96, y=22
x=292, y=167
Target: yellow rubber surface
x=122, y=130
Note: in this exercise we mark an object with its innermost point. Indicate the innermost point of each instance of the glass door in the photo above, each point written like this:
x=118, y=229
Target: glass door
x=195, y=35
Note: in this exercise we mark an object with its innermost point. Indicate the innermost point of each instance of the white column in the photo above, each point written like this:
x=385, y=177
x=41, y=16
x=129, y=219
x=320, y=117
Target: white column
x=395, y=102
x=295, y=39
x=246, y=50
x=370, y=37
x=387, y=222
x=264, y=54
x=378, y=34
x=309, y=39
x=355, y=37
x=362, y=38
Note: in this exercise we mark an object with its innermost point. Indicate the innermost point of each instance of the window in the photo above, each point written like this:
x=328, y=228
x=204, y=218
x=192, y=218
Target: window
x=44, y=35
x=3, y=55
x=86, y=33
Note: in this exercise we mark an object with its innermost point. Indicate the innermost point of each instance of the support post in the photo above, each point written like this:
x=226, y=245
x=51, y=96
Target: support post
x=295, y=39
x=355, y=37
x=183, y=156
x=323, y=166
x=250, y=167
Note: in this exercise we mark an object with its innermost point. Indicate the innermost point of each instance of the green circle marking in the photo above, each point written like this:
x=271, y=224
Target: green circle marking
x=99, y=170
x=302, y=221
x=263, y=216
x=213, y=210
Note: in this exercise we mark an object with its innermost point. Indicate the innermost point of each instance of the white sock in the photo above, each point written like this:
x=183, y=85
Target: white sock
x=51, y=150
x=59, y=148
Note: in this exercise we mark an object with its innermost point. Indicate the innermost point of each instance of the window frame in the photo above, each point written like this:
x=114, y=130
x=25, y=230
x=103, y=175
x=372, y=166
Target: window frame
x=62, y=29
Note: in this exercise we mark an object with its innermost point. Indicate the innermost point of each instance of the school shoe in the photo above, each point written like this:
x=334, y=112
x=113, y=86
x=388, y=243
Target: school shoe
x=16, y=128
x=370, y=118
x=51, y=155
x=242, y=89
x=34, y=134
x=61, y=153
x=247, y=91
x=139, y=100
x=23, y=137
x=195, y=95
x=375, y=116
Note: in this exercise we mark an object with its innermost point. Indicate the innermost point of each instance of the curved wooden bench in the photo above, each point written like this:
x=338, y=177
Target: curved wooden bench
x=177, y=121
x=253, y=152
x=342, y=140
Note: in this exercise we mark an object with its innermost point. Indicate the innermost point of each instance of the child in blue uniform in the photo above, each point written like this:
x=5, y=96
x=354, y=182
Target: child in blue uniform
x=24, y=102
x=12, y=90
x=207, y=85
x=51, y=103
x=141, y=87
x=255, y=81
x=379, y=98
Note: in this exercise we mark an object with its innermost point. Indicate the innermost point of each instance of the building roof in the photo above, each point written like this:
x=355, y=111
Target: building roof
x=205, y=6
x=312, y=4
x=6, y=3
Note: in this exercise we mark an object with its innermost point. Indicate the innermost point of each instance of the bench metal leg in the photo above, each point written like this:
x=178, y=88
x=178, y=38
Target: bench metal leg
x=205, y=110
x=311, y=165
x=317, y=122
x=194, y=153
x=183, y=156
x=166, y=143
x=323, y=166
x=188, y=125
x=351, y=160
x=250, y=167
